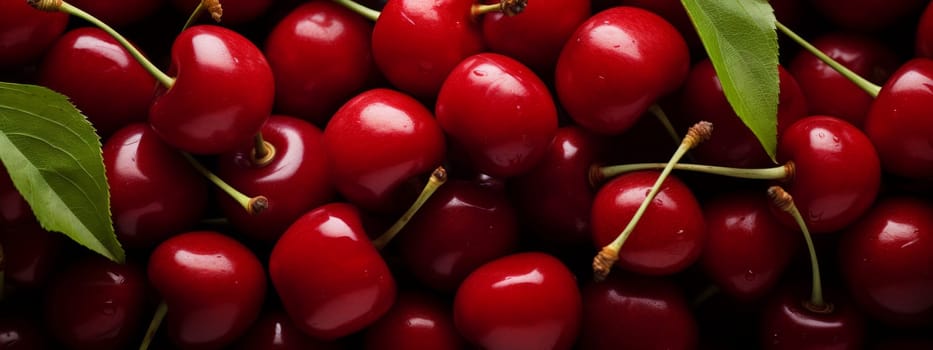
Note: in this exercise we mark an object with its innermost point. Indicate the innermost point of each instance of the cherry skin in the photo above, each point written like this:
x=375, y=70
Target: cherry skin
x=378, y=140
x=296, y=180
x=222, y=95
x=787, y=322
x=97, y=304
x=461, y=227
x=747, y=249
x=275, y=331
x=14, y=209
x=537, y=304
x=88, y=56
x=30, y=253
x=26, y=33
x=122, y=13
x=19, y=332
x=616, y=65
x=234, y=11
x=628, y=311
x=866, y=15
x=886, y=262
x=823, y=149
x=323, y=50
x=897, y=122
x=154, y=192
x=827, y=91
x=212, y=285
x=416, y=321
x=670, y=235
x=672, y=11
x=330, y=278
x=923, y=42
x=499, y=112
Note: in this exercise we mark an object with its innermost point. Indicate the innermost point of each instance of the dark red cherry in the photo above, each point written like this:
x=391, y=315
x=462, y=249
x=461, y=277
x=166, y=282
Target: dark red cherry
x=866, y=15
x=670, y=235
x=499, y=112
x=222, y=95
x=416, y=321
x=746, y=249
x=213, y=286
x=26, y=33
x=275, y=331
x=616, y=65
x=378, y=140
x=521, y=301
x=923, y=40
x=628, y=311
x=234, y=11
x=30, y=253
x=898, y=123
x=14, y=209
x=330, y=278
x=827, y=91
x=97, y=304
x=120, y=13
x=323, y=50
x=672, y=11
x=461, y=227
x=837, y=175
x=154, y=191
x=733, y=144
x=886, y=261
x=788, y=322
x=21, y=332
x=295, y=180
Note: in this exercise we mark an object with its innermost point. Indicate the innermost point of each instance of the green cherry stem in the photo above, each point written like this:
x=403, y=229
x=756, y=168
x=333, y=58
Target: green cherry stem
x=61, y=6
x=609, y=254
x=157, y=318
x=252, y=205
x=785, y=202
x=599, y=174
x=438, y=178
x=262, y=153
x=507, y=7
x=658, y=113
x=869, y=87
x=361, y=10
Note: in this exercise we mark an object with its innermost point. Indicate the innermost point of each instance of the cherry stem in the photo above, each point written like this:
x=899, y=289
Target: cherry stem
x=666, y=122
x=252, y=205
x=157, y=318
x=785, y=172
x=438, y=178
x=785, y=202
x=262, y=153
x=609, y=254
x=61, y=6
x=707, y=293
x=869, y=87
x=507, y=7
x=361, y=10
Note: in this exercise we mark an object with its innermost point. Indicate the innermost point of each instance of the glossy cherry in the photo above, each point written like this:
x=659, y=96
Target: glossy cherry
x=827, y=91
x=866, y=15
x=97, y=304
x=26, y=33
x=416, y=321
x=295, y=180
x=275, y=331
x=628, y=311
x=13, y=207
x=499, y=112
x=21, y=332
x=670, y=235
x=788, y=322
x=537, y=304
x=672, y=11
x=822, y=149
x=235, y=12
x=330, y=278
x=222, y=94
x=154, y=192
x=376, y=141
x=323, y=50
x=886, y=262
x=120, y=13
x=616, y=65
x=212, y=285
x=923, y=39
x=30, y=254
x=461, y=227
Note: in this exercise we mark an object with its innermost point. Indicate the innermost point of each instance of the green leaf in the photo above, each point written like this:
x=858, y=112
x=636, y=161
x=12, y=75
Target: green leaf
x=54, y=157
x=741, y=40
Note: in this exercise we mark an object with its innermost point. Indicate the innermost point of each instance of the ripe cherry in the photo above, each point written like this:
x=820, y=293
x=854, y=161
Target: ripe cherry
x=416, y=321
x=788, y=322
x=30, y=254
x=20, y=332
x=923, y=42
x=537, y=304
x=275, y=331
x=499, y=112
x=14, y=209
x=26, y=33
x=866, y=15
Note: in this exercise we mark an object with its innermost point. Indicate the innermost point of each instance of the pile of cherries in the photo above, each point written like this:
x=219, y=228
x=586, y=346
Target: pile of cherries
x=257, y=165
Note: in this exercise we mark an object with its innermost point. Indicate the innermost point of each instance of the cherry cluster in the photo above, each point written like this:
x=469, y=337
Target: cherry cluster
x=453, y=174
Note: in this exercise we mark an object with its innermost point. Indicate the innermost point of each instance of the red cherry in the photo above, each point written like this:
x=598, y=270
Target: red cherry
x=822, y=148
x=30, y=253
x=26, y=33
x=213, y=286
x=521, y=301
x=416, y=321
x=670, y=235
x=616, y=65
x=672, y=11
x=222, y=95
x=234, y=11
x=886, y=261
x=295, y=180
x=319, y=49
x=866, y=15
x=499, y=112
x=331, y=279
x=923, y=42
x=154, y=192
x=120, y=13
x=20, y=332
x=636, y=312
x=461, y=227
x=275, y=331
x=14, y=209
x=787, y=322
x=378, y=140
x=96, y=304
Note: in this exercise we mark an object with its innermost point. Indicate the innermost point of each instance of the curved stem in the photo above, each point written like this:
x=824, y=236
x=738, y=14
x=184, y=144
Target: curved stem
x=785, y=202
x=157, y=318
x=869, y=87
x=785, y=172
x=666, y=122
x=194, y=15
x=438, y=178
x=364, y=11
x=252, y=205
x=262, y=153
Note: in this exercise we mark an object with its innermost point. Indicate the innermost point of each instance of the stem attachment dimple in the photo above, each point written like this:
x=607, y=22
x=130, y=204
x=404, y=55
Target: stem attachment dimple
x=784, y=201
x=438, y=178
x=262, y=153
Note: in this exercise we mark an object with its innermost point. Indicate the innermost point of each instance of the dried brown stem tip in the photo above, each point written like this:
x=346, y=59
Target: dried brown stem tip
x=781, y=198
x=513, y=7
x=439, y=174
x=213, y=7
x=698, y=133
x=603, y=262
x=826, y=308
x=46, y=5
x=257, y=205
